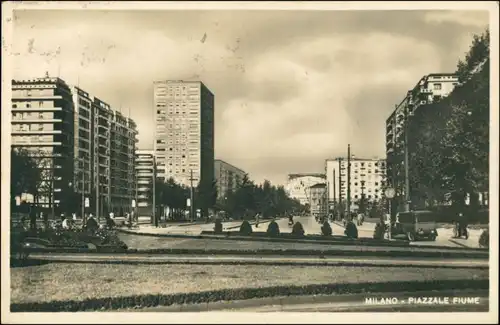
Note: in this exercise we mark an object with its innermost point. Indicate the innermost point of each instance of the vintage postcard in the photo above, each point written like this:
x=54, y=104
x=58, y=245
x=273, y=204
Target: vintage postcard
x=265, y=162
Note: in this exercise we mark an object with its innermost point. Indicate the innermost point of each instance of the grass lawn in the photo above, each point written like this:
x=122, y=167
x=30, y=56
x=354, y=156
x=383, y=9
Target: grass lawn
x=61, y=281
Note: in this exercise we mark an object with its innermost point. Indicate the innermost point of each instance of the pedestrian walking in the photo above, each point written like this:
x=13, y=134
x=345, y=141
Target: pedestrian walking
x=65, y=223
x=92, y=225
x=32, y=218
x=257, y=217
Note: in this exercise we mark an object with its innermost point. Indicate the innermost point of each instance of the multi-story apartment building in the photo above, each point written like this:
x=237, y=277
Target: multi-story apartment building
x=123, y=138
x=144, y=170
x=227, y=177
x=367, y=178
x=72, y=133
x=429, y=89
x=298, y=185
x=184, y=134
x=43, y=124
x=101, y=155
x=83, y=140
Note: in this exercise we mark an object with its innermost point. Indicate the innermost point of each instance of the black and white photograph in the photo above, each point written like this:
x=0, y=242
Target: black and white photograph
x=265, y=162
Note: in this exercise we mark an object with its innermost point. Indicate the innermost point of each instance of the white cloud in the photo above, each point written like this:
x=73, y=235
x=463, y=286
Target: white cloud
x=477, y=18
x=278, y=101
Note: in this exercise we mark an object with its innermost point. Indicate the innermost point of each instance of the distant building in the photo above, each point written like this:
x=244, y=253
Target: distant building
x=367, y=178
x=227, y=177
x=318, y=200
x=429, y=89
x=298, y=185
x=144, y=169
x=184, y=136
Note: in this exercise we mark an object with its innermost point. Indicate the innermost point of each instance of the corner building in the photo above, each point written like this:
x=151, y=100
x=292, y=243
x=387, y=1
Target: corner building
x=184, y=131
x=43, y=124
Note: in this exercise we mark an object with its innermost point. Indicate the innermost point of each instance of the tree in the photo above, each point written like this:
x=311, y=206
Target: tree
x=450, y=151
x=206, y=195
x=24, y=173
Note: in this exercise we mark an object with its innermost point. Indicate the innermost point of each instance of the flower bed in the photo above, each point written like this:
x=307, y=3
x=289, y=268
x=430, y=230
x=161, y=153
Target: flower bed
x=71, y=239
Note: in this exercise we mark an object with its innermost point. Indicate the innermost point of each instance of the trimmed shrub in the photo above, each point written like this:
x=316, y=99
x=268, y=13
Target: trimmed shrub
x=484, y=239
x=246, y=228
x=379, y=231
x=351, y=231
x=218, y=226
x=326, y=229
x=298, y=230
x=273, y=230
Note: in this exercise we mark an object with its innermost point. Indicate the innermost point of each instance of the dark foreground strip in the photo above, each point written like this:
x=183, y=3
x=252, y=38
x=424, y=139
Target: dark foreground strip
x=243, y=294
x=283, y=252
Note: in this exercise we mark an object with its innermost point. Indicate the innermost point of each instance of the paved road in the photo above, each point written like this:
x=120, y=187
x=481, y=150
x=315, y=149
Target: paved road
x=312, y=227
x=364, y=231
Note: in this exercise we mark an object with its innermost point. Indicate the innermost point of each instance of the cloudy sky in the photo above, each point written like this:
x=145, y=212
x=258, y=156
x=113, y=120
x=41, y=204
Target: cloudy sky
x=291, y=87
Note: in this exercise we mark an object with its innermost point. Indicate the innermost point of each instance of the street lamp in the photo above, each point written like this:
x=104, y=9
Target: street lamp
x=362, y=205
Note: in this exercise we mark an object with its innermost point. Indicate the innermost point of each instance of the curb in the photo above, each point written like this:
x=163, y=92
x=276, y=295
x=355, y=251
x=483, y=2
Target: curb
x=252, y=223
x=282, y=252
x=456, y=242
x=395, y=263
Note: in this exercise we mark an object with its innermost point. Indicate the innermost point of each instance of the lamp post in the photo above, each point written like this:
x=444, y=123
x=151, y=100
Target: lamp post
x=348, y=181
x=362, y=205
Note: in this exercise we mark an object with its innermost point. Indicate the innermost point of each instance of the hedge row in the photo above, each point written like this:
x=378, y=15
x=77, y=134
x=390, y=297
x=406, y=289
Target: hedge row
x=153, y=300
x=316, y=239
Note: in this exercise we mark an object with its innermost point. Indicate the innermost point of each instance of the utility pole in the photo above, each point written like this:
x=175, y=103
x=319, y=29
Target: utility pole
x=191, y=212
x=349, y=181
x=334, y=191
x=341, y=213
x=153, y=210
x=52, y=196
x=98, y=185
x=362, y=197
x=406, y=161
x=83, y=189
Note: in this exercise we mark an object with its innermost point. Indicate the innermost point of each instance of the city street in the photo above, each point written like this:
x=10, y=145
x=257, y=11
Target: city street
x=311, y=226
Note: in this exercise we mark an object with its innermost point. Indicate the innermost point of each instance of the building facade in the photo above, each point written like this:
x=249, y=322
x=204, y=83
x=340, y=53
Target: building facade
x=429, y=89
x=227, y=177
x=184, y=132
x=144, y=170
x=43, y=125
x=122, y=172
x=367, y=179
x=82, y=144
x=298, y=185
x=318, y=200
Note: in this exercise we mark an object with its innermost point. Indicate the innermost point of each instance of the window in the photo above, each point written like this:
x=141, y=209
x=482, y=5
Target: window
x=437, y=86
